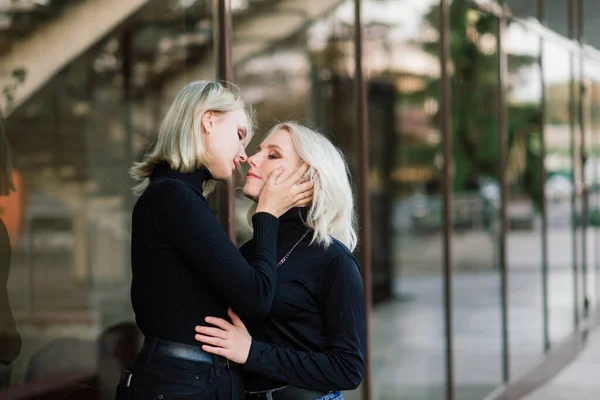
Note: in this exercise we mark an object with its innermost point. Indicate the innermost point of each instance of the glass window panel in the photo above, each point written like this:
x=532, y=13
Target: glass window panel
x=524, y=236
x=592, y=177
x=557, y=15
x=590, y=171
x=522, y=8
x=590, y=23
x=73, y=140
x=310, y=77
x=402, y=60
x=558, y=189
x=476, y=201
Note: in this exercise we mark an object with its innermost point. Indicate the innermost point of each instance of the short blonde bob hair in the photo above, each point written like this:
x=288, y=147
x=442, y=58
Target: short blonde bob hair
x=180, y=135
x=332, y=213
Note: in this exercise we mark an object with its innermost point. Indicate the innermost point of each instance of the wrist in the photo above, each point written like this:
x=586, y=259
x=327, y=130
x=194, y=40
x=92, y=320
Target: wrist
x=260, y=209
x=247, y=354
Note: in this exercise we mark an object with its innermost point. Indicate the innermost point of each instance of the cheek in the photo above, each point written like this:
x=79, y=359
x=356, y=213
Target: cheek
x=252, y=187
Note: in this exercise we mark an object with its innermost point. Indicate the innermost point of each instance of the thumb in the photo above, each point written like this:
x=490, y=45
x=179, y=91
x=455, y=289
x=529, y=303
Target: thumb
x=234, y=318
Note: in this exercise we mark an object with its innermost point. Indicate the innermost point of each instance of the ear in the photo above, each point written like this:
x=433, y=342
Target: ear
x=208, y=121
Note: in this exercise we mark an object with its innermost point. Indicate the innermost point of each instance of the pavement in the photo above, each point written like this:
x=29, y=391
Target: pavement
x=408, y=330
x=579, y=380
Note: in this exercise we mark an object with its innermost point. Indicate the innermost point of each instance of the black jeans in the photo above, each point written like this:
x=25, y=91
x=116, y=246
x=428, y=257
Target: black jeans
x=163, y=378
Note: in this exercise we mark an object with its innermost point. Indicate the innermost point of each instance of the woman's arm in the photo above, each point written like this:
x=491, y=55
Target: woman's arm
x=184, y=219
x=339, y=367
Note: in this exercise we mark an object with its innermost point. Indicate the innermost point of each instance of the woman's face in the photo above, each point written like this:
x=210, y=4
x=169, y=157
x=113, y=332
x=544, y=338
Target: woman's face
x=225, y=135
x=275, y=151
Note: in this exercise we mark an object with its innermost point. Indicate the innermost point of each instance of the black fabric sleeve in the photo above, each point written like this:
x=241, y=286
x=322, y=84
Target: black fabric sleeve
x=193, y=230
x=341, y=365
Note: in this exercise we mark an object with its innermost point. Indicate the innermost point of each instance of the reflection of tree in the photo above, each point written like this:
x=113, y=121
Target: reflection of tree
x=474, y=88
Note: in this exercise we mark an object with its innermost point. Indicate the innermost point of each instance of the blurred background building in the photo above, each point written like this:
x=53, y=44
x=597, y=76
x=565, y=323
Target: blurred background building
x=86, y=82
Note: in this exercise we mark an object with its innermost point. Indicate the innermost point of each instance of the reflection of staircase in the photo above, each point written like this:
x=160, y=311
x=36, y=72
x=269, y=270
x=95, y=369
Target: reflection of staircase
x=43, y=39
x=258, y=30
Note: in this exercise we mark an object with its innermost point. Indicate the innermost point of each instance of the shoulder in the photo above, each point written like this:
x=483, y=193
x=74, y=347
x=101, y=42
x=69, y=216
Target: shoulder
x=341, y=274
x=172, y=190
x=340, y=259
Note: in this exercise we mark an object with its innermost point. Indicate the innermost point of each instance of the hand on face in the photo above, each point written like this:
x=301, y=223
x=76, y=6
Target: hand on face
x=231, y=341
x=275, y=175
x=225, y=135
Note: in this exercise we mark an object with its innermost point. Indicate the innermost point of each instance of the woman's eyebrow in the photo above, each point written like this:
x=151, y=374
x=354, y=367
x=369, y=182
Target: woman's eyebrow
x=271, y=146
x=274, y=146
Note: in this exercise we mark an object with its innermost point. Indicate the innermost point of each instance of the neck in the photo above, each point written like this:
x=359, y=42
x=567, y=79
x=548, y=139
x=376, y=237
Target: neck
x=195, y=178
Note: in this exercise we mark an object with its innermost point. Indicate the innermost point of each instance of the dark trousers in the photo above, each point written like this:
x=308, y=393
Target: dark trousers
x=162, y=378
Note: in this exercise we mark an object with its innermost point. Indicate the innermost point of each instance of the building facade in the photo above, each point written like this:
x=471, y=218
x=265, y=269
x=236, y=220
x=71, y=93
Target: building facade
x=472, y=132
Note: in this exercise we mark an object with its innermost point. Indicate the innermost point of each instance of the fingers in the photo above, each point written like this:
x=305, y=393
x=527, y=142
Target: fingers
x=299, y=173
x=303, y=202
x=303, y=199
x=219, y=322
x=276, y=173
x=215, y=350
x=210, y=340
x=304, y=187
x=214, y=332
x=234, y=318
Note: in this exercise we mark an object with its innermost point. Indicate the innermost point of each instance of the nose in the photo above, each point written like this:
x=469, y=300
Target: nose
x=242, y=156
x=252, y=160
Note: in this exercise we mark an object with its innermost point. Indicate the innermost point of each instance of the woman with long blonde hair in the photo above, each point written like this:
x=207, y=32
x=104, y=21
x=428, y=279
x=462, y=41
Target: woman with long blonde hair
x=312, y=343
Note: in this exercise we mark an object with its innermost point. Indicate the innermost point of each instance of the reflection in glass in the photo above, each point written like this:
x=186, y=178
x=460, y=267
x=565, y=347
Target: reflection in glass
x=556, y=13
x=311, y=78
x=476, y=201
x=558, y=189
x=591, y=177
x=524, y=176
x=403, y=61
x=10, y=204
x=522, y=8
x=73, y=142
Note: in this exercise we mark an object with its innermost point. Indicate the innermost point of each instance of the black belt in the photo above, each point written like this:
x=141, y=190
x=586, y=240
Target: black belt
x=183, y=351
x=285, y=393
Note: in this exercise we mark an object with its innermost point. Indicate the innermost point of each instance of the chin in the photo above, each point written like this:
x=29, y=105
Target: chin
x=250, y=193
x=221, y=175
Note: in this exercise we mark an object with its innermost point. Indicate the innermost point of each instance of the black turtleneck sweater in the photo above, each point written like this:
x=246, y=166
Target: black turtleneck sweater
x=185, y=267
x=315, y=334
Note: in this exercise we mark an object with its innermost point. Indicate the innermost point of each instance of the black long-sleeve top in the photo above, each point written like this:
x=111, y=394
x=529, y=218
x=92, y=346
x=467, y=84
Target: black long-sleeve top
x=184, y=267
x=315, y=334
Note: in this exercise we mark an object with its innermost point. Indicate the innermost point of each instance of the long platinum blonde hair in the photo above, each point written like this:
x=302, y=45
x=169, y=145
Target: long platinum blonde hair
x=332, y=213
x=180, y=140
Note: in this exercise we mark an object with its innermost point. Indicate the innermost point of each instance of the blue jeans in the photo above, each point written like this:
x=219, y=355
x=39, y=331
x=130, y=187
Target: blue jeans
x=332, y=396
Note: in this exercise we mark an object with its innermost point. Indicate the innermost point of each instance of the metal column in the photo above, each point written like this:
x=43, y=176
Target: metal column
x=223, y=29
x=363, y=188
x=447, y=177
x=503, y=160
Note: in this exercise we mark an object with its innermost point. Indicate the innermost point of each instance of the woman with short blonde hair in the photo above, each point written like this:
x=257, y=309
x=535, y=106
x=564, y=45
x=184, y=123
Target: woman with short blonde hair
x=312, y=343
x=183, y=263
